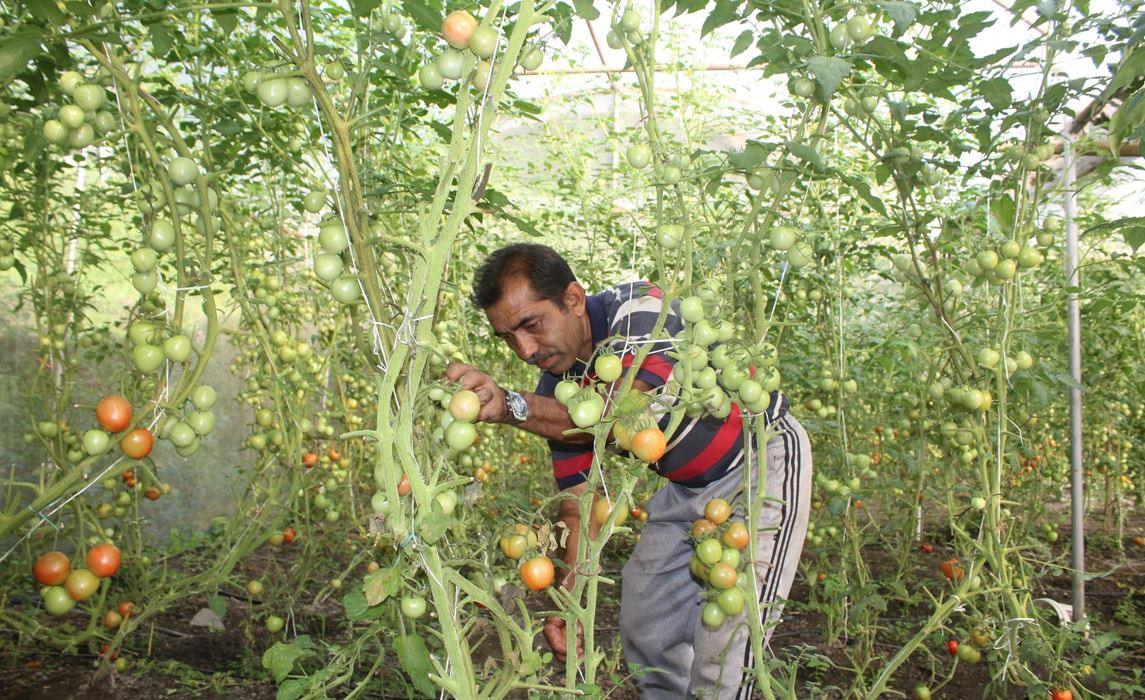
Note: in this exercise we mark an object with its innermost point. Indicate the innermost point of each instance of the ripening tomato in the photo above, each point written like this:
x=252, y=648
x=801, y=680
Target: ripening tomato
x=537, y=573
x=103, y=560
x=52, y=568
x=649, y=444
x=288, y=535
x=1062, y=694
x=736, y=535
x=722, y=575
x=137, y=444
x=112, y=619
x=403, y=486
x=125, y=608
x=514, y=546
x=81, y=584
x=951, y=570
x=717, y=511
x=465, y=406
x=702, y=528
x=113, y=413
x=309, y=459
x=602, y=509
x=457, y=27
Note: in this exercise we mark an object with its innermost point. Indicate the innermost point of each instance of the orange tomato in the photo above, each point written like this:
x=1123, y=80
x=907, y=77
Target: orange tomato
x=951, y=569
x=702, y=528
x=537, y=573
x=649, y=444
x=736, y=535
x=103, y=560
x=717, y=510
x=457, y=28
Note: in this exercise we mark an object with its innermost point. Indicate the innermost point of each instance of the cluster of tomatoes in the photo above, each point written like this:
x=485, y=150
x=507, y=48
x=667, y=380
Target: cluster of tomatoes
x=713, y=371
x=536, y=572
x=78, y=122
x=334, y=241
x=65, y=586
x=274, y=90
x=717, y=561
x=462, y=32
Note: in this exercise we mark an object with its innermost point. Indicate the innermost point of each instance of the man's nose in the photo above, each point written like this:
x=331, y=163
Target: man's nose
x=526, y=347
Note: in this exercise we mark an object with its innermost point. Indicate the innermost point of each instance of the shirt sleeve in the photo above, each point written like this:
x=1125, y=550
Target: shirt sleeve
x=634, y=321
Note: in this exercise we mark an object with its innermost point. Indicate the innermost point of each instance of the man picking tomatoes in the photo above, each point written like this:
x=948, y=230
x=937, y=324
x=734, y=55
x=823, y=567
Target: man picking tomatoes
x=534, y=303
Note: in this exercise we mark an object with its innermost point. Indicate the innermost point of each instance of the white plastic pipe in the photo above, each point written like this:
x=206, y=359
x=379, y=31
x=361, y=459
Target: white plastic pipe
x=1073, y=282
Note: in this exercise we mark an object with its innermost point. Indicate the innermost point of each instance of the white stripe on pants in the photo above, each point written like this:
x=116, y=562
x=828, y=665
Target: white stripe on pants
x=666, y=645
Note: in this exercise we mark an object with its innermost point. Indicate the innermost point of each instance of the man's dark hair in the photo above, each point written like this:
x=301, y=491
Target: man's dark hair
x=546, y=271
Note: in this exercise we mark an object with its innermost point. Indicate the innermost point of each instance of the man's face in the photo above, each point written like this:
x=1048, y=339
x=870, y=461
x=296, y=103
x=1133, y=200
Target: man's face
x=538, y=330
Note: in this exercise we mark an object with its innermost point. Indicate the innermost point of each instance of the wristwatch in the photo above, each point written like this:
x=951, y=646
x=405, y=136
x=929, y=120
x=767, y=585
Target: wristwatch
x=518, y=407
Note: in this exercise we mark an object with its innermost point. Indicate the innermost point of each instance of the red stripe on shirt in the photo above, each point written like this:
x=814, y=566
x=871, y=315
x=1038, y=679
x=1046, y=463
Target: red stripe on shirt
x=655, y=364
x=568, y=466
x=723, y=441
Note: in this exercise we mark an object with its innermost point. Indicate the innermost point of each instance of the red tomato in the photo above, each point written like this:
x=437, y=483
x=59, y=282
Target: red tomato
x=113, y=413
x=309, y=459
x=926, y=547
x=537, y=573
x=137, y=444
x=152, y=493
x=952, y=646
x=334, y=455
x=403, y=485
x=649, y=444
x=52, y=568
x=125, y=608
x=951, y=570
x=1062, y=694
x=103, y=560
x=288, y=535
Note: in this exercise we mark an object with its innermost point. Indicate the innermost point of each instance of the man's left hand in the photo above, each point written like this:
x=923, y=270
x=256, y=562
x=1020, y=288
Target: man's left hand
x=494, y=409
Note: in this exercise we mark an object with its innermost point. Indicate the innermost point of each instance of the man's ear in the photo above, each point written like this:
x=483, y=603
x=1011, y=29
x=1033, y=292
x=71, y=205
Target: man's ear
x=574, y=298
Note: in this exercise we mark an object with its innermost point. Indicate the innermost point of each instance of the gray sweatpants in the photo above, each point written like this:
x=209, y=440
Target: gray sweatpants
x=673, y=655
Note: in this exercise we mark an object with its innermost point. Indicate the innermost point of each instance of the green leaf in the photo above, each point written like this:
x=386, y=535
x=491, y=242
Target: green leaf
x=749, y=158
x=998, y=92
x=414, y=659
x=1002, y=210
x=357, y=608
x=160, y=39
x=16, y=50
x=427, y=15
x=742, y=42
x=829, y=72
x=433, y=526
x=863, y=189
x=1131, y=68
x=218, y=605
x=293, y=689
x=227, y=19
x=584, y=8
x=723, y=13
x=1132, y=230
x=46, y=10
x=562, y=22
x=279, y=659
x=805, y=152
x=902, y=14
x=363, y=8
x=381, y=584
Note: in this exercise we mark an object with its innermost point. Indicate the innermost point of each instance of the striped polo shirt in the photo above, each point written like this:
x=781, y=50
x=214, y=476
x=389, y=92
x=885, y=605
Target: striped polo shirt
x=703, y=449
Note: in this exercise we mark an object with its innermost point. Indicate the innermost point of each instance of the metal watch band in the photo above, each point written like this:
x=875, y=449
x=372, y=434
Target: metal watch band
x=518, y=407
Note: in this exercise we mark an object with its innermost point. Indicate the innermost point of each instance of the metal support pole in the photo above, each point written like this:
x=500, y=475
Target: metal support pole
x=1073, y=282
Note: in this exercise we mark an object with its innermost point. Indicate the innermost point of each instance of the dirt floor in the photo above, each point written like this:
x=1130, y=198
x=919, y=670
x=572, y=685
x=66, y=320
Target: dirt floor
x=189, y=662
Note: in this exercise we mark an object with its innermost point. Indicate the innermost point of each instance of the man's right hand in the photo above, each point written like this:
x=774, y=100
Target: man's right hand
x=492, y=396
x=555, y=635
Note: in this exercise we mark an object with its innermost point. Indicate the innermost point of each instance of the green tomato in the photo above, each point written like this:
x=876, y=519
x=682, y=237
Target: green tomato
x=182, y=171
x=71, y=116
x=274, y=624
x=177, y=348
x=314, y=201
x=531, y=58
x=298, y=93
x=345, y=289
x=483, y=41
x=630, y=20
x=96, y=442
x=144, y=260
x=731, y=600
x=147, y=357
x=335, y=71
x=451, y=64
x=55, y=131
x=460, y=435
x=332, y=236
x=56, y=600
x=413, y=606
x=69, y=81
x=202, y=422
x=608, y=368
x=429, y=77
x=565, y=390
x=639, y=155
x=709, y=551
x=782, y=237
x=162, y=236
x=712, y=615
x=803, y=87
x=89, y=97
x=272, y=92
x=587, y=413
x=181, y=435
x=204, y=397
x=327, y=266
x=692, y=309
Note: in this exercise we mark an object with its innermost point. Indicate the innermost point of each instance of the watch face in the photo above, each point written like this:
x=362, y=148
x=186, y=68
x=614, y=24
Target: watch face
x=517, y=406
